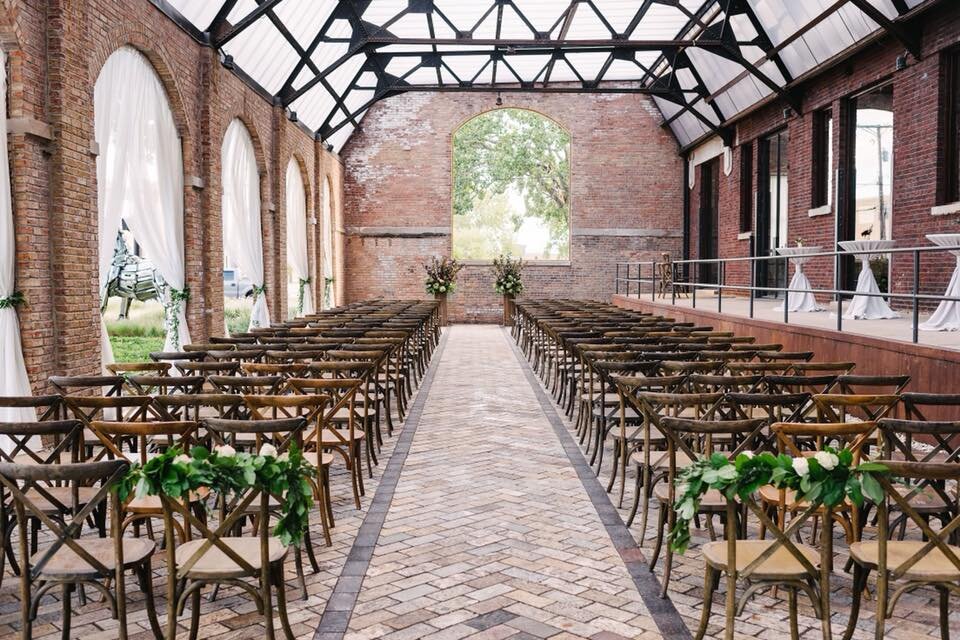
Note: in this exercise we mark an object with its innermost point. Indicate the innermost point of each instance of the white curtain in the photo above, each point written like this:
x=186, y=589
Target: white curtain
x=13, y=370
x=242, y=236
x=327, y=235
x=140, y=178
x=297, y=239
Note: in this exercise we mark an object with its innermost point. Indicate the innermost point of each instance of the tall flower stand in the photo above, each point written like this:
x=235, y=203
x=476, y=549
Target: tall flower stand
x=442, y=299
x=508, y=309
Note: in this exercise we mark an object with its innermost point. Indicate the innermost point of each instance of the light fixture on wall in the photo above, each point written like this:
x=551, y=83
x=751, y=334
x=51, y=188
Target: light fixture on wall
x=499, y=100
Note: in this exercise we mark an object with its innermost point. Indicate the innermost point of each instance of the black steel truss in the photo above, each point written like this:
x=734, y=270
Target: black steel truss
x=708, y=29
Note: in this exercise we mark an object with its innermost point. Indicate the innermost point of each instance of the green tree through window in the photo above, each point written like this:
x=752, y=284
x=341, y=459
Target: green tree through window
x=511, y=189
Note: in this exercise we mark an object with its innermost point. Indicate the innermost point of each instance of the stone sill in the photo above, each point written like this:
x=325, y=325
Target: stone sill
x=945, y=209
x=745, y=235
x=526, y=263
x=825, y=210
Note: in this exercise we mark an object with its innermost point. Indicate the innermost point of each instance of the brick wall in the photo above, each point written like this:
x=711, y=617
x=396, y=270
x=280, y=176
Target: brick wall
x=56, y=49
x=625, y=183
x=917, y=103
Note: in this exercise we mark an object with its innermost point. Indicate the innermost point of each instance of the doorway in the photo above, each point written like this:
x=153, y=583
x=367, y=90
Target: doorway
x=709, y=220
x=772, y=191
x=868, y=210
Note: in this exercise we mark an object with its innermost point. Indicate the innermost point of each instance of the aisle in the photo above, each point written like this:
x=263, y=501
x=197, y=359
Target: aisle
x=490, y=532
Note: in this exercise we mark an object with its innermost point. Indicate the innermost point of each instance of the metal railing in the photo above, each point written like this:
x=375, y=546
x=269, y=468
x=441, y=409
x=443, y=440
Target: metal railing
x=691, y=272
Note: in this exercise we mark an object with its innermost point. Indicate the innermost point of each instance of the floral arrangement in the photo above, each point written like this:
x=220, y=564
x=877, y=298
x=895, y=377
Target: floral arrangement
x=301, y=292
x=827, y=477
x=507, y=273
x=442, y=275
x=226, y=472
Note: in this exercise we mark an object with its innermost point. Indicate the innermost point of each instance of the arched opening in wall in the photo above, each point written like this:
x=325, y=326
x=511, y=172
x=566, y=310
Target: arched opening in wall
x=299, y=294
x=140, y=211
x=245, y=300
x=511, y=187
x=329, y=290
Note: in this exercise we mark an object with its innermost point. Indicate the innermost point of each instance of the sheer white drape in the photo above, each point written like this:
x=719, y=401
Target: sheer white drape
x=13, y=370
x=297, y=238
x=327, y=236
x=242, y=236
x=140, y=177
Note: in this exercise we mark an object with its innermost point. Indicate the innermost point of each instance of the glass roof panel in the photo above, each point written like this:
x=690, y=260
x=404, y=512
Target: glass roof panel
x=342, y=74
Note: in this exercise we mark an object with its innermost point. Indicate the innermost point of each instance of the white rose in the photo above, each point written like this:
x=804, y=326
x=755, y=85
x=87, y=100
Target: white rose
x=827, y=460
x=183, y=459
x=224, y=450
x=283, y=457
x=801, y=466
x=267, y=450
x=749, y=454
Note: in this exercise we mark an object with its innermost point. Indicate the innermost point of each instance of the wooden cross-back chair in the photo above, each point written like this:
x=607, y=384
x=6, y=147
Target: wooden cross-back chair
x=689, y=440
x=841, y=407
x=284, y=370
x=87, y=409
x=100, y=385
x=148, y=385
x=380, y=382
x=782, y=562
x=243, y=385
x=924, y=441
x=336, y=428
x=69, y=560
x=39, y=408
x=149, y=438
x=930, y=562
x=129, y=370
x=218, y=555
x=778, y=355
x=804, y=439
x=63, y=446
x=207, y=368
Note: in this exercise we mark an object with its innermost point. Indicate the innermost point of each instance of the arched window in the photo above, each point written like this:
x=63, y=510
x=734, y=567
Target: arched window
x=140, y=186
x=511, y=187
x=329, y=295
x=298, y=260
x=242, y=234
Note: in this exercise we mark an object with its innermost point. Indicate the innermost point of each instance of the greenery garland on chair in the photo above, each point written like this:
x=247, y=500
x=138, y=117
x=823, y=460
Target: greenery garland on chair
x=226, y=472
x=827, y=477
x=442, y=275
x=508, y=275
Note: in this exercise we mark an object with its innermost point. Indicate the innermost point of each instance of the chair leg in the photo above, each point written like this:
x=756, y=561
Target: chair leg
x=636, y=499
x=194, y=614
x=298, y=563
x=859, y=582
x=66, y=609
x=145, y=578
x=792, y=605
x=711, y=579
x=282, y=602
x=661, y=523
x=944, y=614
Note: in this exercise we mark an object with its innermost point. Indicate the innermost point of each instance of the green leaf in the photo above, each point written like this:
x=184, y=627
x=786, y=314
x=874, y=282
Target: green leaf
x=871, y=487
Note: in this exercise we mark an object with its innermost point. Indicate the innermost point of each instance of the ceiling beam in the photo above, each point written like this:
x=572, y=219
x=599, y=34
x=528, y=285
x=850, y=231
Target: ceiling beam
x=909, y=39
x=244, y=23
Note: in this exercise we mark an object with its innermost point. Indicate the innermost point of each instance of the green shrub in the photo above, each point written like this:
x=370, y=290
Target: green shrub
x=237, y=315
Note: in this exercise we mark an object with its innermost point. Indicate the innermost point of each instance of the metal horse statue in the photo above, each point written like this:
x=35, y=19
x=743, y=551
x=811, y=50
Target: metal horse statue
x=131, y=278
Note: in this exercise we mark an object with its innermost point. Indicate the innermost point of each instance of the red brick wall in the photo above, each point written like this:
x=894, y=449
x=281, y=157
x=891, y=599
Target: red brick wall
x=917, y=158
x=56, y=51
x=625, y=175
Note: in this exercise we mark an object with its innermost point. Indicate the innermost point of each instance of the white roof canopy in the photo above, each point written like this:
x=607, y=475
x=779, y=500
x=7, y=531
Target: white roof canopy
x=703, y=61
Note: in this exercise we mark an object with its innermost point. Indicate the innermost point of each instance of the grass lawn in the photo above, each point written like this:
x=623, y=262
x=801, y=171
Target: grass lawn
x=134, y=349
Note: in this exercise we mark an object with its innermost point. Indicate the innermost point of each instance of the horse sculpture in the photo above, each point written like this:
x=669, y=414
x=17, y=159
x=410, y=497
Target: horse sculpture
x=131, y=278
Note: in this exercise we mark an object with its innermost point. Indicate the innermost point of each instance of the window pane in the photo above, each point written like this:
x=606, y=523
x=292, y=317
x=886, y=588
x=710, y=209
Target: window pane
x=511, y=192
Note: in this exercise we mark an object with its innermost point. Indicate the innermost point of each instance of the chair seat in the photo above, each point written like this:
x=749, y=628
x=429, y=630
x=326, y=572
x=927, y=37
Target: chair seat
x=712, y=500
x=153, y=504
x=318, y=459
x=214, y=563
x=65, y=561
x=933, y=566
x=661, y=459
x=329, y=439
x=62, y=495
x=782, y=565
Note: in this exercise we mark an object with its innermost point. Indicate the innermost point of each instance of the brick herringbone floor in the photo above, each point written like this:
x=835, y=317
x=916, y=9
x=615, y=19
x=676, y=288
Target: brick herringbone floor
x=482, y=522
